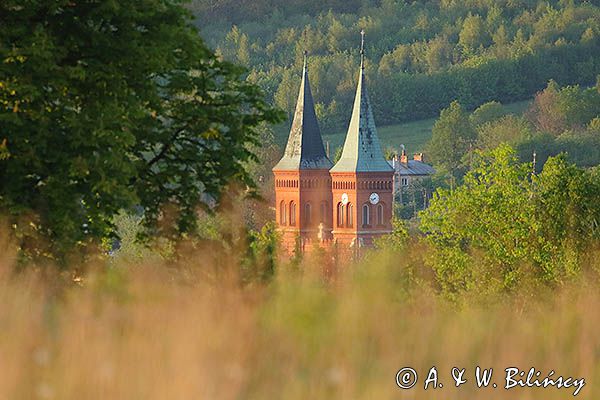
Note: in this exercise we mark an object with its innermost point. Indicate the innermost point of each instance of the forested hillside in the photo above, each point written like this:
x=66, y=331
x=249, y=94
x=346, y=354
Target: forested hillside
x=420, y=55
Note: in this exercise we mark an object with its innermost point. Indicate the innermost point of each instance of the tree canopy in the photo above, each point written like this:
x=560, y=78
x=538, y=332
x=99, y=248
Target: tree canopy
x=452, y=136
x=508, y=218
x=110, y=105
x=420, y=55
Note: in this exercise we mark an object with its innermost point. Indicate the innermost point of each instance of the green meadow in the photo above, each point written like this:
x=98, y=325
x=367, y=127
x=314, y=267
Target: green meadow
x=414, y=135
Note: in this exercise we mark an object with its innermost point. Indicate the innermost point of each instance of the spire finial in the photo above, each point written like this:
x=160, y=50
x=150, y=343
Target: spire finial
x=305, y=39
x=305, y=58
x=362, y=48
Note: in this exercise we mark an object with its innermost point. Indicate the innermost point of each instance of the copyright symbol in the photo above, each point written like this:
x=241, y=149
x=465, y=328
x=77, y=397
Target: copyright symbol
x=406, y=378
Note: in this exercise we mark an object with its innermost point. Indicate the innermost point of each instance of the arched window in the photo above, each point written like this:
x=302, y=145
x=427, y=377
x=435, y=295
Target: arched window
x=292, y=213
x=366, y=215
x=323, y=214
x=307, y=214
x=380, y=214
x=340, y=215
x=282, y=213
x=349, y=215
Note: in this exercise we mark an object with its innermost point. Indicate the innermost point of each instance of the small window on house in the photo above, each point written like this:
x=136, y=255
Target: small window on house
x=404, y=181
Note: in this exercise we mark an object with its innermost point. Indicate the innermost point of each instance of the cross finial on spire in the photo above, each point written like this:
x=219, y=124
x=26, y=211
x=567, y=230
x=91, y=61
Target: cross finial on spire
x=362, y=48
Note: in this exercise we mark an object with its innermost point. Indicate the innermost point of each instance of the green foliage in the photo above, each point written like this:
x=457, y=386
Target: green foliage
x=107, y=105
x=128, y=248
x=452, y=137
x=389, y=153
x=415, y=197
x=260, y=263
x=420, y=55
x=556, y=109
x=488, y=112
x=503, y=219
x=395, y=241
x=509, y=129
x=559, y=120
x=4, y=153
x=473, y=34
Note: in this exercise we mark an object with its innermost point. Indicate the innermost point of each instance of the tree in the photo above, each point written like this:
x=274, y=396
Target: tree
x=487, y=112
x=545, y=112
x=489, y=212
x=396, y=240
x=501, y=42
x=108, y=105
x=398, y=60
x=286, y=94
x=472, y=34
x=566, y=198
x=439, y=51
x=508, y=129
x=556, y=109
x=507, y=220
x=452, y=137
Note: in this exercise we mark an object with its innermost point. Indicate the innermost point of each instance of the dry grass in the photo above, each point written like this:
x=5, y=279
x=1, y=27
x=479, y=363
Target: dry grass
x=135, y=332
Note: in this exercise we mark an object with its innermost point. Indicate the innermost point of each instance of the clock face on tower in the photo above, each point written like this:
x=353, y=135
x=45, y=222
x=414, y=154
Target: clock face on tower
x=374, y=198
x=345, y=198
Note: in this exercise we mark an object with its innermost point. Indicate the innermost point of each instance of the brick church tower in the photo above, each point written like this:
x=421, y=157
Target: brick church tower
x=302, y=181
x=362, y=180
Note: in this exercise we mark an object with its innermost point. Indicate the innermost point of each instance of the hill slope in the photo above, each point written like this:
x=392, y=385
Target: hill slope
x=420, y=55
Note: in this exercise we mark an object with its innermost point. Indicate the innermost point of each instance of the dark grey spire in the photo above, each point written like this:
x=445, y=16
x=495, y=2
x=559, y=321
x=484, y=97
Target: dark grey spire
x=304, y=148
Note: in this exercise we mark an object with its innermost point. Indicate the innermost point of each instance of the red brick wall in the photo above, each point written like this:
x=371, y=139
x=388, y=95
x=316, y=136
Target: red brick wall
x=303, y=187
x=358, y=187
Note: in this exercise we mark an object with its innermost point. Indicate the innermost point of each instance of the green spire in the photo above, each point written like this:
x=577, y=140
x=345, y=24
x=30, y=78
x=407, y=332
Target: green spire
x=304, y=148
x=362, y=150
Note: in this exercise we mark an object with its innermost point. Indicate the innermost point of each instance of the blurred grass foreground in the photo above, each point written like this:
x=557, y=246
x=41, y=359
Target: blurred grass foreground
x=149, y=331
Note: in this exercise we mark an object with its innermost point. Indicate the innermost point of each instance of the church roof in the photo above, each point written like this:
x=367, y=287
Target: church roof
x=362, y=150
x=304, y=149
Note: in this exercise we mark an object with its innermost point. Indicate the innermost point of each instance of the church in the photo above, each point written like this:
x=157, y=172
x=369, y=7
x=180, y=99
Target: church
x=321, y=204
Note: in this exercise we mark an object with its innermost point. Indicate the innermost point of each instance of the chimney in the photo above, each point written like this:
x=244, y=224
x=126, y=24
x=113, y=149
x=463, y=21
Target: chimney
x=395, y=161
x=403, y=157
x=418, y=157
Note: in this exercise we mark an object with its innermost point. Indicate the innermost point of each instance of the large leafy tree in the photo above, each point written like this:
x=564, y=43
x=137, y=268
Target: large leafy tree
x=105, y=105
x=452, y=137
x=506, y=219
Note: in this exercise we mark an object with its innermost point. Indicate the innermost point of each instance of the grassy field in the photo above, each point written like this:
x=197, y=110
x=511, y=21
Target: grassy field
x=154, y=331
x=413, y=135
